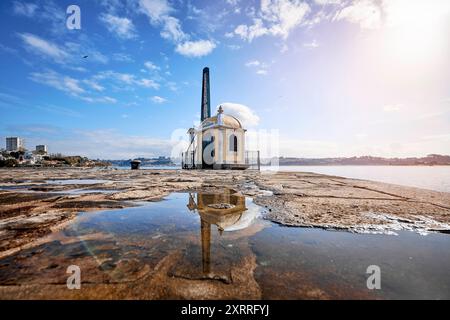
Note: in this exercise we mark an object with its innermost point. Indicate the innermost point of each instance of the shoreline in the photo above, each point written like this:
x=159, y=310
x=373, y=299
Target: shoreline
x=296, y=199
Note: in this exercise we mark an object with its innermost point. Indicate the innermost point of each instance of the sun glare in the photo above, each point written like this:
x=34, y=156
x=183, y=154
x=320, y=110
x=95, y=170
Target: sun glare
x=416, y=31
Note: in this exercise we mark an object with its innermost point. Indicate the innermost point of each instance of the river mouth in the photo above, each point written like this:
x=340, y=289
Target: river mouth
x=218, y=246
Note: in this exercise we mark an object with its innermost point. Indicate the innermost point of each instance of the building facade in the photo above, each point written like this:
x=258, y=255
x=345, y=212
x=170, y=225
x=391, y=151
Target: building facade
x=218, y=142
x=42, y=149
x=14, y=144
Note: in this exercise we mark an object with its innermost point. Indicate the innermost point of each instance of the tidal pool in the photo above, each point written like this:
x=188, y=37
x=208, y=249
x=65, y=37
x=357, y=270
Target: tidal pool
x=203, y=245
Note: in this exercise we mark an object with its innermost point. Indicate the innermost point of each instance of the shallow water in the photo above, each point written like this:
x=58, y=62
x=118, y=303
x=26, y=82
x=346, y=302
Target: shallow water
x=215, y=244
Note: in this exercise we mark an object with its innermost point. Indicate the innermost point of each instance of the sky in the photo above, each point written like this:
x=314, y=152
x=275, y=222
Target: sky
x=331, y=78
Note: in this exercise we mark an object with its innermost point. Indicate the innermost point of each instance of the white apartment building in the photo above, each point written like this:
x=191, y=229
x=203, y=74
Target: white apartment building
x=14, y=144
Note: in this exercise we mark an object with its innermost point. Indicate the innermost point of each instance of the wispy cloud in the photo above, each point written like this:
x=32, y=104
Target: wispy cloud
x=245, y=114
x=43, y=47
x=24, y=8
x=109, y=144
x=261, y=72
x=122, y=27
x=57, y=81
x=151, y=66
x=392, y=107
x=122, y=57
x=253, y=63
x=158, y=99
x=159, y=13
x=196, y=48
x=94, y=85
x=366, y=13
x=68, y=55
x=260, y=66
x=127, y=79
x=311, y=45
x=276, y=18
x=72, y=86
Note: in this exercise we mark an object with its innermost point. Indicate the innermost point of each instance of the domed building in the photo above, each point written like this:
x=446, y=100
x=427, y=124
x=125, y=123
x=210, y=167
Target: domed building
x=218, y=142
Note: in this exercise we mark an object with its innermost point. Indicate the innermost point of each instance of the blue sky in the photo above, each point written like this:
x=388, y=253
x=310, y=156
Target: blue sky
x=334, y=77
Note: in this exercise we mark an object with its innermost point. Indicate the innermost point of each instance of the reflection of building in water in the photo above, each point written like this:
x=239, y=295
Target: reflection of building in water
x=223, y=210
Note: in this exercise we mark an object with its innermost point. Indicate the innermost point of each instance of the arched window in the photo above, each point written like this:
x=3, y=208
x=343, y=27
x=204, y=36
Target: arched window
x=233, y=143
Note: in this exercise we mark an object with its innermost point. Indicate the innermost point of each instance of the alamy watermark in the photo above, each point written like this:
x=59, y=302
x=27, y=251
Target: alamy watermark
x=73, y=21
x=374, y=280
x=74, y=280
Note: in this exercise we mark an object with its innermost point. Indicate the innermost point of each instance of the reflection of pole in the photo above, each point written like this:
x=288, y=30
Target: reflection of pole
x=259, y=162
x=206, y=245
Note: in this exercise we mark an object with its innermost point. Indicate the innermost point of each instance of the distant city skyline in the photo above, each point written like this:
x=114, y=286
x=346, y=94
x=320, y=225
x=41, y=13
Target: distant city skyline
x=336, y=78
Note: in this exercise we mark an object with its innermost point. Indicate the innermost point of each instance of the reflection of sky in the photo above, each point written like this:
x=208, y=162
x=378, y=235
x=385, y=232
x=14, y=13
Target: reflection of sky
x=336, y=78
x=247, y=217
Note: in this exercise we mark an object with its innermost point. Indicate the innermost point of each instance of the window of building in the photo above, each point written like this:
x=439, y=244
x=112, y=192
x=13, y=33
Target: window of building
x=233, y=143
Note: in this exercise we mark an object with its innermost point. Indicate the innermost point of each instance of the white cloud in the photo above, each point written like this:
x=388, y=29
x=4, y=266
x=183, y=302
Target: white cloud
x=366, y=13
x=244, y=114
x=311, y=45
x=156, y=10
x=122, y=57
x=233, y=47
x=24, y=8
x=195, y=48
x=99, y=100
x=392, y=107
x=148, y=83
x=43, y=47
x=159, y=100
x=172, y=30
x=172, y=86
x=159, y=14
x=151, y=66
x=71, y=86
x=122, y=27
x=109, y=100
x=276, y=17
x=57, y=81
x=94, y=85
x=127, y=79
x=253, y=63
x=109, y=144
x=261, y=67
x=251, y=32
x=285, y=15
x=232, y=2
x=327, y=2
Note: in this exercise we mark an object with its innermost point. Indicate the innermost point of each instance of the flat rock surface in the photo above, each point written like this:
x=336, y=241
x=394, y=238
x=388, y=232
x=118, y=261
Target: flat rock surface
x=31, y=206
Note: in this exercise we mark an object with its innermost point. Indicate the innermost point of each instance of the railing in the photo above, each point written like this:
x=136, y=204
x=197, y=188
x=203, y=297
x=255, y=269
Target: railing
x=252, y=160
x=188, y=160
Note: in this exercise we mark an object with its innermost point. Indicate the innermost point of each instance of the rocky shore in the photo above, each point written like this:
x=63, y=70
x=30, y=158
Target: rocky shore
x=33, y=202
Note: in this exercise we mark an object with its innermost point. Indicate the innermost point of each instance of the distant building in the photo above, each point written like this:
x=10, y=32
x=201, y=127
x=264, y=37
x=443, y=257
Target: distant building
x=14, y=144
x=42, y=149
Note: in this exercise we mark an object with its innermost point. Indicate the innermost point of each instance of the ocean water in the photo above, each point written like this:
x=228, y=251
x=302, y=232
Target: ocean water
x=427, y=177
